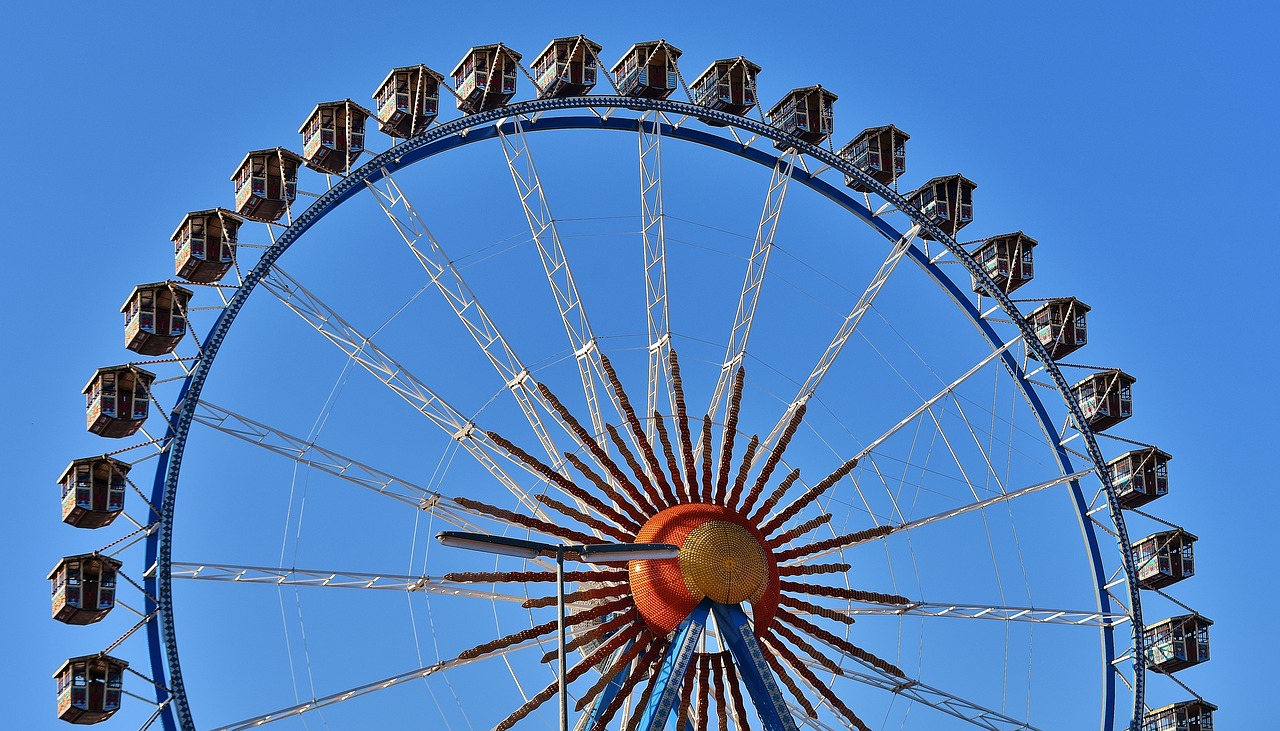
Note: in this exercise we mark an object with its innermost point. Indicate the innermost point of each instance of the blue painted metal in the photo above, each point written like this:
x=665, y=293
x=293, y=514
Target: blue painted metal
x=607, y=695
x=482, y=126
x=736, y=633
x=675, y=663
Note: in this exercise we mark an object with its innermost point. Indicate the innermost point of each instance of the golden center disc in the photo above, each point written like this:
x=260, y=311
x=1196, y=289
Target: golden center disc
x=723, y=561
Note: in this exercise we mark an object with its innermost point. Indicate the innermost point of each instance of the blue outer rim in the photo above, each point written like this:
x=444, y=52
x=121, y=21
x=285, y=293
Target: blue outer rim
x=161, y=634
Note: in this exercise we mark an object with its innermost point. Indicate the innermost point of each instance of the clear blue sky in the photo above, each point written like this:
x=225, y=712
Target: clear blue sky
x=1135, y=142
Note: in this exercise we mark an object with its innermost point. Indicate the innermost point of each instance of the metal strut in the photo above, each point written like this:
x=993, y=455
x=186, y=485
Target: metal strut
x=842, y=336
x=469, y=311
x=751, y=283
x=383, y=367
x=546, y=235
x=653, y=232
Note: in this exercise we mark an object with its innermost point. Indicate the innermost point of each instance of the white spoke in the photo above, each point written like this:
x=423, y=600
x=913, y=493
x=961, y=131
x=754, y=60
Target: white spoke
x=546, y=236
x=386, y=369
x=1082, y=618
x=754, y=279
x=967, y=508
x=313, y=455
x=470, y=313
x=940, y=395
x=842, y=336
x=919, y=692
x=367, y=688
x=653, y=231
x=338, y=579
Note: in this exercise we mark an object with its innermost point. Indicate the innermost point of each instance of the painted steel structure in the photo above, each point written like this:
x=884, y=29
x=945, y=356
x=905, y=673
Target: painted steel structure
x=614, y=113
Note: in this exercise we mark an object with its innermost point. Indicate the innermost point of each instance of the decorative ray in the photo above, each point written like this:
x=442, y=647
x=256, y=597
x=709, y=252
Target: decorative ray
x=771, y=502
x=799, y=530
x=807, y=497
x=682, y=426
x=836, y=543
x=624, y=660
x=705, y=441
x=591, y=660
x=735, y=692
x=605, y=488
x=748, y=459
x=637, y=431
x=686, y=693
x=716, y=666
x=536, y=524
x=563, y=482
x=651, y=658
x=525, y=577
x=787, y=680
x=844, y=645
x=672, y=467
x=803, y=670
x=816, y=568
x=581, y=595
x=703, y=680
x=583, y=436
x=814, y=609
x=645, y=496
x=587, y=520
x=539, y=630
x=730, y=433
x=774, y=456
x=839, y=592
x=605, y=628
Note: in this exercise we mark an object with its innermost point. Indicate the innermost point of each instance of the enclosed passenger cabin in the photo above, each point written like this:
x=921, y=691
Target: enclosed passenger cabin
x=648, y=70
x=1177, y=643
x=1060, y=326
x=155, y=317
x=84, y=588
x=117, y=400
x=89, y=688
x=1105, y=398
x=567, y=67
x=946, y=202
x=204, y=245
x=728, y=85
x=408, y=100
x=805, y=113
x=880, y=152
x=1164, y=558
x=266, y=183
x=1140, y=476
x=333, y=136
x=486, y=78
x=93, y=491
x=1007, y=260
x=1194, y=715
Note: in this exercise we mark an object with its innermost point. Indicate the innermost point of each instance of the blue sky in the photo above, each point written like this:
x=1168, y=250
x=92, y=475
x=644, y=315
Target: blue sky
x=1133, y=141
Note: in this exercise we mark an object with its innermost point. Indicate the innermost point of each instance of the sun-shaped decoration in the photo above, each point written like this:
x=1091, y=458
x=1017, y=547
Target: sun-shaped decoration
x=731, y=553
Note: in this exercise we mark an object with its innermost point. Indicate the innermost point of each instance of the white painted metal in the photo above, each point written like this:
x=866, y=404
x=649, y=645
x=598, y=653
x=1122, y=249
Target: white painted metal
x=335, y=579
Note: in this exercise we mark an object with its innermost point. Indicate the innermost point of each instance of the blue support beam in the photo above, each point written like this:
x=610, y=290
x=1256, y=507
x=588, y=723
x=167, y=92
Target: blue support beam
x=736, y=633
x=675, y=663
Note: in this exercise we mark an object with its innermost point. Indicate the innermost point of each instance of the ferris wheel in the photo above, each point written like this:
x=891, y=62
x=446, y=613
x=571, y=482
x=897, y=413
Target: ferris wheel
x=625, y=312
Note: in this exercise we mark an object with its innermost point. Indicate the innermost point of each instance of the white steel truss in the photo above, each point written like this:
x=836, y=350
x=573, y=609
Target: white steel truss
x=345, y=695
x=325, y=460
x=546, y=235
x=842, y=336
x=754, y=278
x=468, y=309
x=966, y=508
x=361, y=349
x=336, y=579
x=1074, y=617
x=914, y=690
x=653, y=231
